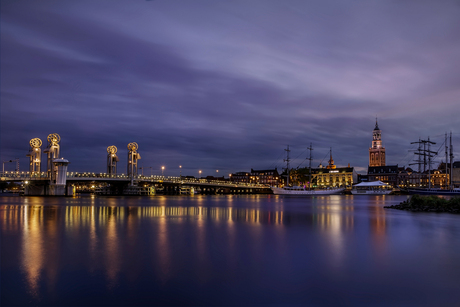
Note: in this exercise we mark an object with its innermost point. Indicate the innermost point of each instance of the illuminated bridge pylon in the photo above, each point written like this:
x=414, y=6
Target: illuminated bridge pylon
x=133, y=156
x=35, y=154
x=53, y=153
x=112, y=160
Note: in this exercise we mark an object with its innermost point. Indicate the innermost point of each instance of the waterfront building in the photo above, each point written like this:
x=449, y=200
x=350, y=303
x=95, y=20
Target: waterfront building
x=377, y=151
x=269, y=176
x=240, y=177
x=406, y=178
x=385, y=173
x=438, y=177
x=456, y=174
x=332, y=177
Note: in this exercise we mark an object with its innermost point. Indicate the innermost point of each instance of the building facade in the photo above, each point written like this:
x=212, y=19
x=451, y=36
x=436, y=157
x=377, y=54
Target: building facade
x=406, y=178
x=268, y=177
x=240, y=177
x=456, y=174
x=377, y=151
x=330, y=178
x=385, y=173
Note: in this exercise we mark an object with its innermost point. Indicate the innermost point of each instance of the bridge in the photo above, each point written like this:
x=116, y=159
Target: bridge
x=121, y=184
x=58, y=181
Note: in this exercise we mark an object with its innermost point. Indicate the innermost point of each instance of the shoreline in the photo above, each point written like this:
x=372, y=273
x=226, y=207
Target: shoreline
x=431, y=203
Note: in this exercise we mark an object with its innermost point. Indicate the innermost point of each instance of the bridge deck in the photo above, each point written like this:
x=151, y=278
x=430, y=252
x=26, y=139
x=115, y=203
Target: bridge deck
x=102, y=177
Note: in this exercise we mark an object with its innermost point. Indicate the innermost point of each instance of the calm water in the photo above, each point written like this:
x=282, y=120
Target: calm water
x=226, y=251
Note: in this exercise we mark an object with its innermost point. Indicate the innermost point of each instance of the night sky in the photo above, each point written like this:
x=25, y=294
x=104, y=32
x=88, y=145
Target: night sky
x=228, y=84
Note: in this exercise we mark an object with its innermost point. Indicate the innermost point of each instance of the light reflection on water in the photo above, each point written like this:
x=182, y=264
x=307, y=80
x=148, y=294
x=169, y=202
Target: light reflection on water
x=255, y=244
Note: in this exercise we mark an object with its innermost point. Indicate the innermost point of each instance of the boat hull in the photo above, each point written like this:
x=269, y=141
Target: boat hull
x=434, y=192
x=370, y=192
x=281, y=191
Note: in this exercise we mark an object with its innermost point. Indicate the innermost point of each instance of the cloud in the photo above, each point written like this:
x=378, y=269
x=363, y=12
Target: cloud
x=217, y=85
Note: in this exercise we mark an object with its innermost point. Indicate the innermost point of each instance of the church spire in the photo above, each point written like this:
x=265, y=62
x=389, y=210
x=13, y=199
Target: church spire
x=331, y=161
x=376, y=124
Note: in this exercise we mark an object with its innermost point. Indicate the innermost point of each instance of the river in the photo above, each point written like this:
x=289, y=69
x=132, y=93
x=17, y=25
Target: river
x=261, y=250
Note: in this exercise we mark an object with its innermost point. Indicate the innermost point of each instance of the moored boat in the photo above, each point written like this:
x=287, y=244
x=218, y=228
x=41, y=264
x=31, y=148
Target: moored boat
x=303, y=190
x=296, y=190
x=371, y=188
x=446, y=192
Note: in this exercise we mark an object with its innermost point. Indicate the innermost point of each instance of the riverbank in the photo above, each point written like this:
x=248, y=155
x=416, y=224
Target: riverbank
x=432, y=203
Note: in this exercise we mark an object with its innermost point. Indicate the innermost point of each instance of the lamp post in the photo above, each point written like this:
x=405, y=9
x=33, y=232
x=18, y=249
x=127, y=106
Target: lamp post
x=199, y=174
x=3, y=170
x=180, y=171
x=162, y=169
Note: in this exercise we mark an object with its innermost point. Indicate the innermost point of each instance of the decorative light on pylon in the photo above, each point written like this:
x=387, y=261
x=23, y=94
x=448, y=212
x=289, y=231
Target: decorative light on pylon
x=54, y=138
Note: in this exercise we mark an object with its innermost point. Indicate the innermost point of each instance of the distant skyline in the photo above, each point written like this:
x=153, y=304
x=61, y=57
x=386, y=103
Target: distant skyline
x=227, y=85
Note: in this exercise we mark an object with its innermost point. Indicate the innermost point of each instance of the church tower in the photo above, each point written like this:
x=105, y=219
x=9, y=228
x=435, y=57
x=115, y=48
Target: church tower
x=377, y=151
x=331, y=161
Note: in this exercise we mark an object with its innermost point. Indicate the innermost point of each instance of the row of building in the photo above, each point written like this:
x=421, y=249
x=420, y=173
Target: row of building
x=333, y=176
x=322, y=177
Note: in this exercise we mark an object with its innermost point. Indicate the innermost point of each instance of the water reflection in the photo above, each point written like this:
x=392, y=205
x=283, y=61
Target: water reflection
x=214, y=248
x=33, y=246
x=163, y=242
x=378, y=231
x=99, y=228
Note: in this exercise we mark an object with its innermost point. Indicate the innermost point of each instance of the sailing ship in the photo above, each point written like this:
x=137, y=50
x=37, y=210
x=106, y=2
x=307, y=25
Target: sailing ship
x=442, y=192
x=450, y=191
x=302, y=190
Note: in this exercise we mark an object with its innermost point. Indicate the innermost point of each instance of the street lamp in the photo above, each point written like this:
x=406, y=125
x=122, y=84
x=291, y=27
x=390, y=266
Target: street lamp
x=162, y=169
x=3, y=170
x=180, y=171
x=199, y=174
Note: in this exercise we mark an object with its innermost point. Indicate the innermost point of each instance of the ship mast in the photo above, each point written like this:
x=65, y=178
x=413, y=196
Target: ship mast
x=287, y=160
x=309, y=166
x=425, y=153
x=451, y=160
x=429, y=161
x=447, y=160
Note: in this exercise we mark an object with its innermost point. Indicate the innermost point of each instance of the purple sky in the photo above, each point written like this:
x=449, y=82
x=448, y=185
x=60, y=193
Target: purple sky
x=228, y=84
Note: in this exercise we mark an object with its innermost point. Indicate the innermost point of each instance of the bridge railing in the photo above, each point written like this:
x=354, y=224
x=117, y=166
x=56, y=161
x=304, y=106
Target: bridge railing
x=25, y=175
x=158, y=178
